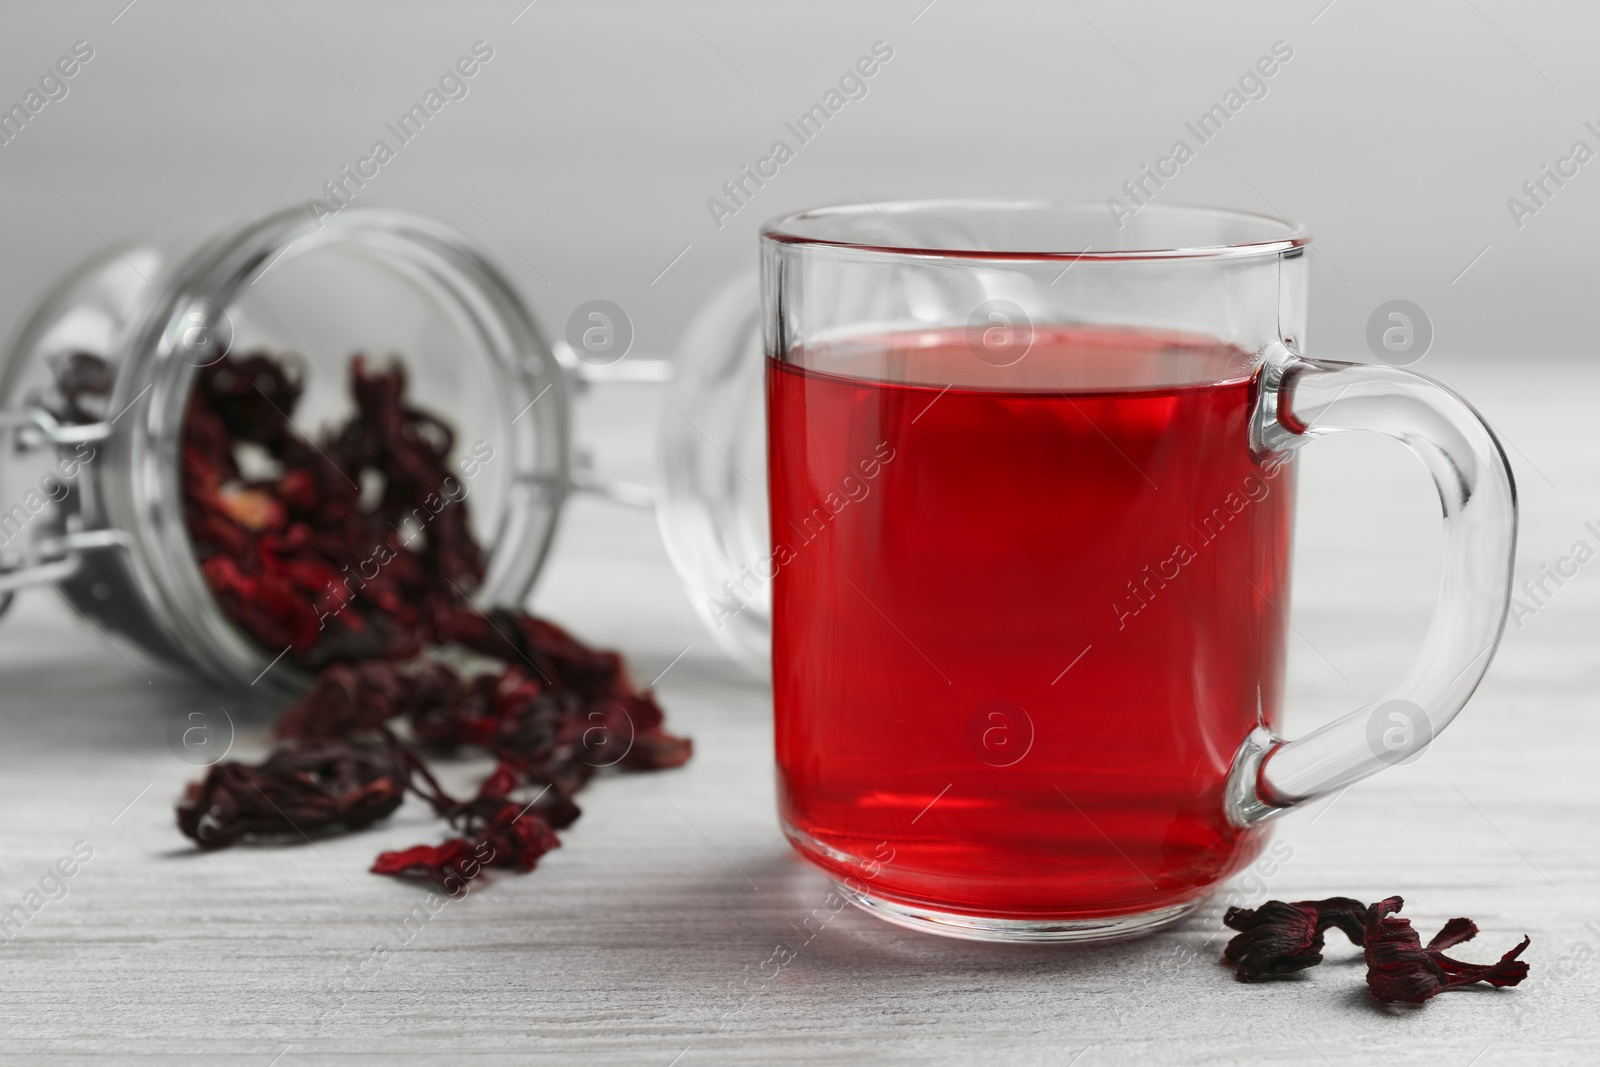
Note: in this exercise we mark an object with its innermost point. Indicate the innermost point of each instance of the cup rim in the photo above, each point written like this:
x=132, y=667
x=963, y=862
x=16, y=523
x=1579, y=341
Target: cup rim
x=1284, y=235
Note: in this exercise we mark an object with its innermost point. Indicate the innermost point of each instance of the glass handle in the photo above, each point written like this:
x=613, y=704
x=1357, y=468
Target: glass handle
x=1300, y=400
x=629, y=494
x=581, y=376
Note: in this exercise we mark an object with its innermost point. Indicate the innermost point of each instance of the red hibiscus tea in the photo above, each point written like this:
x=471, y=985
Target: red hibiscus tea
x=1026, y=615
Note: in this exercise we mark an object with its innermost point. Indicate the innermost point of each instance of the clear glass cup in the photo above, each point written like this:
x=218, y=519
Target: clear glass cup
x=1031, y=490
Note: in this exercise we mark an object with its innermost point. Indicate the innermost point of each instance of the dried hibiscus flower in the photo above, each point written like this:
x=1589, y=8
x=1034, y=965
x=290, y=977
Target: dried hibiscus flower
x=1279, y=938
x=499, y=832
x=1400, y=969
x=360, y=586
x=292, y=549
x=302, y=787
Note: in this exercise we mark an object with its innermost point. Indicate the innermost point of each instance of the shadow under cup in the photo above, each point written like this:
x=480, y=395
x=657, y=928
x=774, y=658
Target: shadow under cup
x=1029, y=575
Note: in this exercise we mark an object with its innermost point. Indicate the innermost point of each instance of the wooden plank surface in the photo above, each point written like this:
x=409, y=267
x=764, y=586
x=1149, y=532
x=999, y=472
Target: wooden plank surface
x=642, y=940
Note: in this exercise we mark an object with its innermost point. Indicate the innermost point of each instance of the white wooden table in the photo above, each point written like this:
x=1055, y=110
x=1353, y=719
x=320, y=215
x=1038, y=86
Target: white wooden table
x=640, y=940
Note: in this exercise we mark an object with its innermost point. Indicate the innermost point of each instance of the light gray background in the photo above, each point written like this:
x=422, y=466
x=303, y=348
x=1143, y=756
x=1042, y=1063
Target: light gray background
x=581, y=160
x=588, y=146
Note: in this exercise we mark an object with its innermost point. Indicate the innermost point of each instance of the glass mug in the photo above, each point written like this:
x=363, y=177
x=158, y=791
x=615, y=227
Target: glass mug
x=1031, y=495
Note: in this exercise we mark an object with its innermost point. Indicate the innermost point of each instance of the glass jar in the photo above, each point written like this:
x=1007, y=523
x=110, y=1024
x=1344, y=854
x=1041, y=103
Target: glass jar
x=94, y=507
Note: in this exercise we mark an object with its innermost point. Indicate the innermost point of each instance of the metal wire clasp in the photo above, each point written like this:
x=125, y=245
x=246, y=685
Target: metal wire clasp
x=58, y=556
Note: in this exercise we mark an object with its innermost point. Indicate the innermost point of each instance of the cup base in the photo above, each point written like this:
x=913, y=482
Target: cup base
x=980, y=928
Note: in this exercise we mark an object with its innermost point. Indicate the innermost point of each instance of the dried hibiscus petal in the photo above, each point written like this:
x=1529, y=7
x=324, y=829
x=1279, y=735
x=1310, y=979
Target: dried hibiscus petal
x=302, y=787
x=1280, y=938
x=517, y=836
x=514, y=839
x=1400, y=969
x=344, y=699
x=448, y=865
x=358, y=585
x=499, y=832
